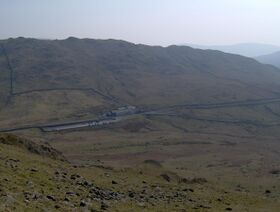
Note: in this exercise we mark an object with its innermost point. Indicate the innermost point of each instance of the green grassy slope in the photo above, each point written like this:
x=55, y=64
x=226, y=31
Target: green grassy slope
x=33, y=182
x=51, y=70
x=72, y=79
x=130, y=71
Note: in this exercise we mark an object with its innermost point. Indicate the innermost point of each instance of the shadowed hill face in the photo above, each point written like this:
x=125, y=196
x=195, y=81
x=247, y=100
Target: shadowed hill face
x=136, y=74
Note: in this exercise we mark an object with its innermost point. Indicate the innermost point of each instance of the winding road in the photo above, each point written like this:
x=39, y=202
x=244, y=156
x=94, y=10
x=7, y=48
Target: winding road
x=163, y=111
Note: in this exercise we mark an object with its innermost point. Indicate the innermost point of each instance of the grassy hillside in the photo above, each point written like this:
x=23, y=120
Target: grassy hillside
x=87, y=75
x=234, y=148
x=33, y=179
x=134, y=72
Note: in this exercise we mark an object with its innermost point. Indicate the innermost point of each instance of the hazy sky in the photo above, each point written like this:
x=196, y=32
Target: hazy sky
x=159, y=22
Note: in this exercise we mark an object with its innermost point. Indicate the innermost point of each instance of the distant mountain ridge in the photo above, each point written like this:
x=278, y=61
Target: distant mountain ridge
x=272, y=59
x=244, y=49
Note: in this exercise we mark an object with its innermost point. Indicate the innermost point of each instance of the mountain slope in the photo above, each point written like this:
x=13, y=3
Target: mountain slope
x=132, y=72
x=207, y=118
x=61, y=79
x=245, y=49
x=272, y=59
x=32, y=182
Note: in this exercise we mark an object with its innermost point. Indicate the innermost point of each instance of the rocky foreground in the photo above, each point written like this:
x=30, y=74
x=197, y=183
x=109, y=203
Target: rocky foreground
x=35, y=177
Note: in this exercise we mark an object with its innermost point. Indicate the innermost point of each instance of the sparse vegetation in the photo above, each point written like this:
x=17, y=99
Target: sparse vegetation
x=30, y=182
x=216, y=159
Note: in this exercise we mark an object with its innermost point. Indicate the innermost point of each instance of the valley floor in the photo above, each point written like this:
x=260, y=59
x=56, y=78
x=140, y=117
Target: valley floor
x=234, y=149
